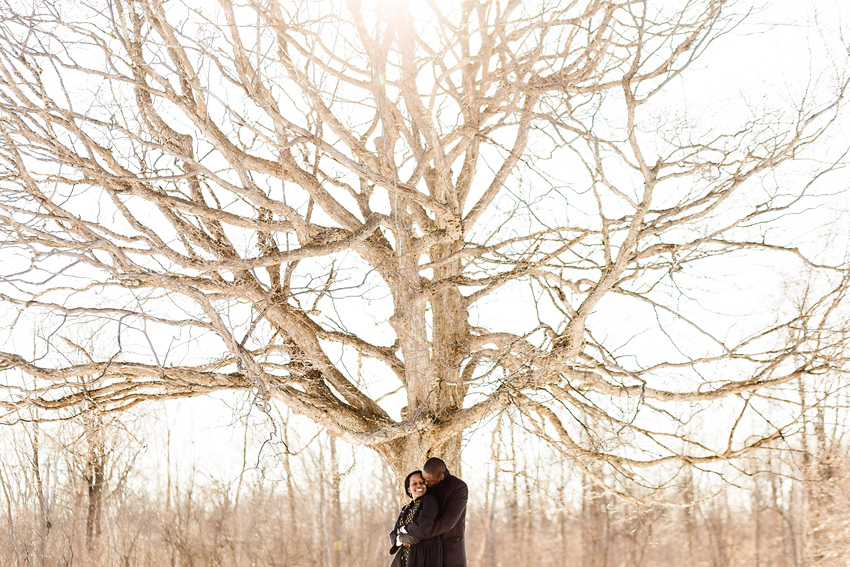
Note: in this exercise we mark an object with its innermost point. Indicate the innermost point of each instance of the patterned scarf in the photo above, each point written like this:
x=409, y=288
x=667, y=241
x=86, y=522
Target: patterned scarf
x=406, y=516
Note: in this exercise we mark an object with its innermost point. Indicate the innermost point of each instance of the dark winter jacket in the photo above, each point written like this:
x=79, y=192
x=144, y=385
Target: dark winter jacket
x=428, y=550
x=450, y=525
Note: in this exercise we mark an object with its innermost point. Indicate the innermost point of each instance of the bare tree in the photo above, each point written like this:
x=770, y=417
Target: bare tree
x=326, y=203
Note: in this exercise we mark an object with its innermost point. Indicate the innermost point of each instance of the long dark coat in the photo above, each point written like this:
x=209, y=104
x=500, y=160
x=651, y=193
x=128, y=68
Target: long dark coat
x=450, y=525
x=428, y=551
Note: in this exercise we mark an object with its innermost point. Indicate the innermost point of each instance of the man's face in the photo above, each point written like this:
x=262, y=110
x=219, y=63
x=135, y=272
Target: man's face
x=432, y=480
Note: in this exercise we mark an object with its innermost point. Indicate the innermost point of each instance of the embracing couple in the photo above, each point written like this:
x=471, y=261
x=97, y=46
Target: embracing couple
x=429, y=531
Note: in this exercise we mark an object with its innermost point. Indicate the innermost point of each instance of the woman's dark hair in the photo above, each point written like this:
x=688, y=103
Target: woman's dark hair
x=407, y=482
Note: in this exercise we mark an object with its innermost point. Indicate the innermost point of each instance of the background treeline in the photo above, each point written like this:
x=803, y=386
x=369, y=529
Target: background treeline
x=105, y=491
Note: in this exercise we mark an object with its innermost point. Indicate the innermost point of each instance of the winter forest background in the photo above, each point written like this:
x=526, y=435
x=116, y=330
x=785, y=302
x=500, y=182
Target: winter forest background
x=260, y=259
x=116, y=494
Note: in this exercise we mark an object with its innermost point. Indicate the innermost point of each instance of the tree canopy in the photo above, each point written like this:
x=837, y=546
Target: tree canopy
x=456, y=207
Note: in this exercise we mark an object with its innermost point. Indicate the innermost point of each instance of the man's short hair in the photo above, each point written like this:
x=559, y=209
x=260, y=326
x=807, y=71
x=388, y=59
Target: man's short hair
x=434, y=467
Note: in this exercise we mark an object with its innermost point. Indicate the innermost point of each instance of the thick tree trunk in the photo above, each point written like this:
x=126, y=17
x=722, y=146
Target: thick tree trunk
x=432, y=364
x=410, y=453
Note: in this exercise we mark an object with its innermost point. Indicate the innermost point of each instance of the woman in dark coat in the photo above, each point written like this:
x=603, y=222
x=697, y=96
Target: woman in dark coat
x=409, y=539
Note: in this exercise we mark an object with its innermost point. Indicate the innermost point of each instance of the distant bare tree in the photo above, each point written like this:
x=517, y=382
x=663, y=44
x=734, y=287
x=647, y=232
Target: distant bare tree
x=327, y=202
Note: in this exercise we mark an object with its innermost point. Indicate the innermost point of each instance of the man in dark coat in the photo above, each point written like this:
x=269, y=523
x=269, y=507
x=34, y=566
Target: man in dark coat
x=452, y=494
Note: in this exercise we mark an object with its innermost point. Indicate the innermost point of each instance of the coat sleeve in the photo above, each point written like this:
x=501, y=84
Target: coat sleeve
x=421, y=526
x=453, y=508
x=393, y=535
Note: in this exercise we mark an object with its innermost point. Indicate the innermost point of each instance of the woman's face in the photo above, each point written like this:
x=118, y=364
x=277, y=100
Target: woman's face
x=417, y=486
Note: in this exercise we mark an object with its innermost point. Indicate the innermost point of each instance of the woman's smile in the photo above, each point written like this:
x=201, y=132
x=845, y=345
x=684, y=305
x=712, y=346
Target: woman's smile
x=417, y=486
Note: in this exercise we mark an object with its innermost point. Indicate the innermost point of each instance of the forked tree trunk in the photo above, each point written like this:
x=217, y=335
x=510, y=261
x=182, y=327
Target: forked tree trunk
x=434, y=377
